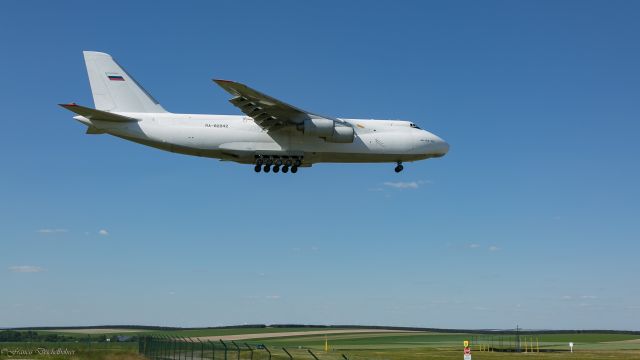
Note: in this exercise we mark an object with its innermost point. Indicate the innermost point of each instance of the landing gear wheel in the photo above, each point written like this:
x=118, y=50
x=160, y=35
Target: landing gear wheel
x=285, y=169
x=267, y=168
x=297, y=163
x=399, y=168
x=276, y=168
x=288, y=162
x=259, y=161
x=258, y=168
x=294, y=169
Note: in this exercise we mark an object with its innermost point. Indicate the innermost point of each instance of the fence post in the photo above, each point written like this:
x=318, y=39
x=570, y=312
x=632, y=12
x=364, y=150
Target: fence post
x=268, y=351
x=175, y=347
x=237, y=347
x=345, y=357
x=290, y=357
x=186, y=347
x=213, y=350
x=250, y=350
x=145, y=345
x=225, y=349
x=183, y=346
x=312, y=354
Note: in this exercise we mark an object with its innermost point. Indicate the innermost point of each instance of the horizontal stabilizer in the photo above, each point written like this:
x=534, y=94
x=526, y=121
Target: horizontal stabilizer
x=93, y=114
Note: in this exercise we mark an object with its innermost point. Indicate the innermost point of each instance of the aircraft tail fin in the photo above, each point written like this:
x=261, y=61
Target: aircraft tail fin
x=114, y=89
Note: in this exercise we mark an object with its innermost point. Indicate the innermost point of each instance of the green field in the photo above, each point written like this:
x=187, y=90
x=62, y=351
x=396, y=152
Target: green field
x=190, y=332
x=443, y=345
x=427, y=339
x=81, y=351
x=356, y=346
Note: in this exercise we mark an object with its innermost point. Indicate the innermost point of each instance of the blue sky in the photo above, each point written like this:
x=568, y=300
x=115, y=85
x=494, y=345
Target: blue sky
x=532, y=218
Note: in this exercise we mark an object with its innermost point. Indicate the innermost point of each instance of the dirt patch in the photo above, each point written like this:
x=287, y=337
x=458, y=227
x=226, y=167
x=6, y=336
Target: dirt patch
x=632, y=341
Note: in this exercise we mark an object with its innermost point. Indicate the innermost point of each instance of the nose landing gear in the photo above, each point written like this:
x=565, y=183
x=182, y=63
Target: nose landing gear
x=399, y=167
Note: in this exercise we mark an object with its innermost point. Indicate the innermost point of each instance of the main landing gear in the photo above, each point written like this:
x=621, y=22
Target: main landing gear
x=399, y=167
x=285, y=164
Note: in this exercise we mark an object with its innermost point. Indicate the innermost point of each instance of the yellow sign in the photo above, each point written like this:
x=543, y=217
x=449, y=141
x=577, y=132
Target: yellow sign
x=466, y=343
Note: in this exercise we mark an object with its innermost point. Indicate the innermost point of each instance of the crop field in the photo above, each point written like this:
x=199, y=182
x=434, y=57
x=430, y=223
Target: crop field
x=427, y=339
x=355, y=344
x=187, y=333
x=425, y=345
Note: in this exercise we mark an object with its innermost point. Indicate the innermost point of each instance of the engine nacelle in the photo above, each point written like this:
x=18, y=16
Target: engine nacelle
x=342, y=134
x=318, y=127
x=328, y=130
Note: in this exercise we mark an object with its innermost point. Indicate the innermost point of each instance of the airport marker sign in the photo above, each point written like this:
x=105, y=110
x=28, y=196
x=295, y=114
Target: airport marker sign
x=467, y=350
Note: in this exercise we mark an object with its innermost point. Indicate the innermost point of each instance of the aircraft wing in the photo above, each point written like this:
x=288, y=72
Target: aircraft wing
x=268, y=112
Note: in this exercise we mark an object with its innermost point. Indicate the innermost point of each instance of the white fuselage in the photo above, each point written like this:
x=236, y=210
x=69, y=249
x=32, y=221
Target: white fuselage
x=238, y=138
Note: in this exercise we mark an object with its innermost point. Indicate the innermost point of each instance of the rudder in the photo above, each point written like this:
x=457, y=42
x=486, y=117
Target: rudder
x=113, y=89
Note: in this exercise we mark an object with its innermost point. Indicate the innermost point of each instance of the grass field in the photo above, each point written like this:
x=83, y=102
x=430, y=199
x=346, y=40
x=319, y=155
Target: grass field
x=183, y=333
x=75, y=351
x=446, y=340
x=357, y=346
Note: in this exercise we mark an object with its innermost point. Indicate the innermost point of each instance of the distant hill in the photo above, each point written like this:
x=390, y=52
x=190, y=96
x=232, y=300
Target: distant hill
x=254, y=326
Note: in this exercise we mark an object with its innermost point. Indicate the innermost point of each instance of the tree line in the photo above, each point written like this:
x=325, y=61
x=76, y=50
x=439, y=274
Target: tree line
x=34, y=336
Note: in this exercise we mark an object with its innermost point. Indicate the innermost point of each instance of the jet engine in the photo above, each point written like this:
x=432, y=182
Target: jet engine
x=328, y=130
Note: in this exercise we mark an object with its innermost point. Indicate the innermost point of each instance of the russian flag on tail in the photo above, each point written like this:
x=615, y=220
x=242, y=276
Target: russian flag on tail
x=115, y=77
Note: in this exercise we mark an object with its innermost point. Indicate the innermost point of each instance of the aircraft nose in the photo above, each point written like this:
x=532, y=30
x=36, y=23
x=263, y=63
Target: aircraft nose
x=439, y=146
x=443, y=147
x=431, y=144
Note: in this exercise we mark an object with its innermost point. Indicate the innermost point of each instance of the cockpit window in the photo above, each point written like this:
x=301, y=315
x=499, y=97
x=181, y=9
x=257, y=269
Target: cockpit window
x=414, y=126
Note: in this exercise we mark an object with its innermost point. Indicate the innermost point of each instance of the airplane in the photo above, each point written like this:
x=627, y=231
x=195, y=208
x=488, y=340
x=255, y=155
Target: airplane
x=272, y=135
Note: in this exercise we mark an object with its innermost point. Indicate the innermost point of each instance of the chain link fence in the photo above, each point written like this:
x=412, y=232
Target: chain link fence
x=520, y=343
x=172, y=348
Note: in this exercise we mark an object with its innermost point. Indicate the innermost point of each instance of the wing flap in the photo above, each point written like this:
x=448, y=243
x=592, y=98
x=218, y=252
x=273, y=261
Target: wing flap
x=268, y=112
x=92, y=130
